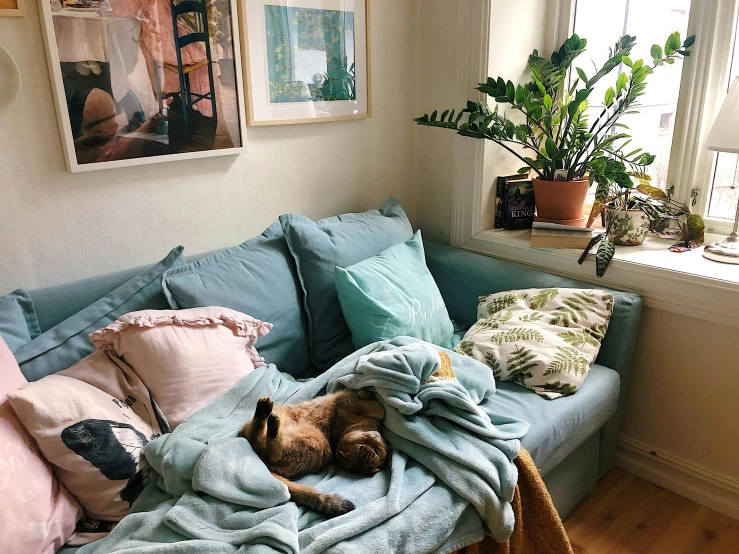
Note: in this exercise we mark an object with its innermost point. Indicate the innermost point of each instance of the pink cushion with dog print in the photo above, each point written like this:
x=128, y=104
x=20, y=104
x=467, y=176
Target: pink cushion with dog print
x=37, y=514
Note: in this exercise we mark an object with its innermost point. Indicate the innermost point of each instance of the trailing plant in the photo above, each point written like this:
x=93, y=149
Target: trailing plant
x=668, y=218
x=557, y=139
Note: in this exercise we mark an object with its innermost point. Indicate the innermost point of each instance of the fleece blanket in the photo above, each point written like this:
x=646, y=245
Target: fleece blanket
x=450, y=478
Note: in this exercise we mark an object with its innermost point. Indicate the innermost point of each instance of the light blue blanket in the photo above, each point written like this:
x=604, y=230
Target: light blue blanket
x=450, y=478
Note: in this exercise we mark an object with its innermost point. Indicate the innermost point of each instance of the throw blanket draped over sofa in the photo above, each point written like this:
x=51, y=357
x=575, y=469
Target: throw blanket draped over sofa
x=450, y=478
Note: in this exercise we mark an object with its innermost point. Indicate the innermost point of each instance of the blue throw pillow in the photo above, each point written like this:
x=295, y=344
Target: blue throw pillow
x=393, y=294
x=18, y=322
x=65, y=344
x=318, y=247
x=257, y=278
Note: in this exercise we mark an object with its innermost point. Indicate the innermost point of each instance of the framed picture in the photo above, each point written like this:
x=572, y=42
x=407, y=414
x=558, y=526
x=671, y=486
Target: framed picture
x=144, y=81
x=12, y=8
x=307, y=60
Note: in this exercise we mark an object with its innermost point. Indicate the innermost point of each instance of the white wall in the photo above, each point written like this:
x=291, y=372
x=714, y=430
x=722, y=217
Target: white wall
x=56, y=226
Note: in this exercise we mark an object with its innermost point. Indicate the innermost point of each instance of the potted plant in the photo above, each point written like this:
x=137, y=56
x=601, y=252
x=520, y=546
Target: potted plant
x=557, y=141
x=634, y=210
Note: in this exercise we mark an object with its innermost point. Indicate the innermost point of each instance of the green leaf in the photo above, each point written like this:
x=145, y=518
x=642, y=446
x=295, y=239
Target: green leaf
x=621, y=82
x=540, y=299
x=689, y=41
x=568, y=360
x=510, y=91
x=610, y=96
x=595, y=240
x=547, y=100
x=433, y=116
x=673, y=43
x=582, y=75
x=550, y=147
x=444, y=114
x=517, y=334
x=627, y=61
x=603, y=257
x=656, y=52
x=520, y=94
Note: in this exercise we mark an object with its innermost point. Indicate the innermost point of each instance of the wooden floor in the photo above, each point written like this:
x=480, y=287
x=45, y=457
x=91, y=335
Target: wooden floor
x=626, y=514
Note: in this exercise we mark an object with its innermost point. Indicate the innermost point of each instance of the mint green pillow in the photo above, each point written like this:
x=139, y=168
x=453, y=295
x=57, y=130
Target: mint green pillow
x=393, y=294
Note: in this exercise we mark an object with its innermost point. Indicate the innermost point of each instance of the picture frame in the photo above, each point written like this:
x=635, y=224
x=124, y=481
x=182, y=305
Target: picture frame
x=145, y=103
x=307, y=61
x=12, y=8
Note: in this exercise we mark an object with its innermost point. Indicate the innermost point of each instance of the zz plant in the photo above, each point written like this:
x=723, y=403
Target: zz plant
x=557, y=139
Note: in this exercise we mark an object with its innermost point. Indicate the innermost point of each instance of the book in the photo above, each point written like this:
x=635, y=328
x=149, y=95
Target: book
x=501, y=197
x=551, y=235
x=520, y=205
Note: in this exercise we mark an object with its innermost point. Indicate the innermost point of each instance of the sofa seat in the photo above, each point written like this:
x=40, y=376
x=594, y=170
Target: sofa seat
x=559, y=426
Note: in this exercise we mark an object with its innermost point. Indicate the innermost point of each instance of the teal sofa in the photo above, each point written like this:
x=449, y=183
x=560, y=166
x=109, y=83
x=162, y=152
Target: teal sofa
x=572, y=440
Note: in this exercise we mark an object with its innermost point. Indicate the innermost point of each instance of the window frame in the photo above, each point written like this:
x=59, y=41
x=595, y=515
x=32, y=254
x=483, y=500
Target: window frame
x=703, y=87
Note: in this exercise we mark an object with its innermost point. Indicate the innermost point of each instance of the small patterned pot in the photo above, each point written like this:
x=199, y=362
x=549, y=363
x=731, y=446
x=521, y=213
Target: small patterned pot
x=630, y=227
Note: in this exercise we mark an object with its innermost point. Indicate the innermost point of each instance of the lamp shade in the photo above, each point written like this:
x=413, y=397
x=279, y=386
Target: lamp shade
x=724, y=135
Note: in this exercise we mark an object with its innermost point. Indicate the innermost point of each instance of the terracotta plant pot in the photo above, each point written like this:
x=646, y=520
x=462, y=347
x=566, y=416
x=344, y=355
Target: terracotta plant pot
x=629, y=228
x=560, y=200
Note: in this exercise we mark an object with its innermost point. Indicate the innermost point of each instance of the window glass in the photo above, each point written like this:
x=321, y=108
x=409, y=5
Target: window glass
x=650, y=21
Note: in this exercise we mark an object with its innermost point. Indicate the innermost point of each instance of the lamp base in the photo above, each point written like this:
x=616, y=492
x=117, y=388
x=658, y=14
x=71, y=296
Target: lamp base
x=726, y=251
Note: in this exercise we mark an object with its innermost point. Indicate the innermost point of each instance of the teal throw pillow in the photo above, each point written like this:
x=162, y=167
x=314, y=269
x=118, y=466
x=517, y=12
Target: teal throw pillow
x=393, y=294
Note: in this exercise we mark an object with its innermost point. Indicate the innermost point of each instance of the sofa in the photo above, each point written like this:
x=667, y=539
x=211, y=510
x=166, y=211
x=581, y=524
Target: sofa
x=572, y=440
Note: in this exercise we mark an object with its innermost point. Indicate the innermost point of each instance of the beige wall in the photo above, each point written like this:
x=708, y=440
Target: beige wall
x=57, y=226
x=683, y=393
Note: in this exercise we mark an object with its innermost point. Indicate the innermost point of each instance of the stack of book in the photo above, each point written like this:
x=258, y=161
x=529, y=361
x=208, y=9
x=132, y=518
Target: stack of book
x=553, y=235
x=514, y=202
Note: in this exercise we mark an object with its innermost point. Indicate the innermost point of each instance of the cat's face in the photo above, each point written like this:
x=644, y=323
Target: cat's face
x=363, y=452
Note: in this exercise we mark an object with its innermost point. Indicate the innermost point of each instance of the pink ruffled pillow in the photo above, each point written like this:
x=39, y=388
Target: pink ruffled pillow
x=37, y=514
x=186, y=358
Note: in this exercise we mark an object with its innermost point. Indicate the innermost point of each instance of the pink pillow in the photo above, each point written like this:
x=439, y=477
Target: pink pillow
x=37, y=514
x=186, y=358
x=91, y=422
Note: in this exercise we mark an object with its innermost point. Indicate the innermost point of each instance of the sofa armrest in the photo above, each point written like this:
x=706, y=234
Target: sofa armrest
x=463, y=276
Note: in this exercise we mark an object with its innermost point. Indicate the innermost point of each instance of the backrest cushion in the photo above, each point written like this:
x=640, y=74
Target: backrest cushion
x=318, y=247
x=66, y=343
x=258, y=278
x=186, y=358
x=92, y=422
x=37, y=514
x=18, y=322
x=393, y=294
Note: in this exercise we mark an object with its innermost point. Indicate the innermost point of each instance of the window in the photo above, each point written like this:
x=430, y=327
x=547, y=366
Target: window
x=650, y=21
x=682, y=100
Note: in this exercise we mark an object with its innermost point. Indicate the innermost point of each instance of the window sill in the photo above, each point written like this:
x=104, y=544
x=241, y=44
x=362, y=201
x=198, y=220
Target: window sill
x=684, y=283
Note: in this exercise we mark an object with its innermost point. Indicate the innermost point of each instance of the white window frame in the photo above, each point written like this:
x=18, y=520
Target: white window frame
x=658, y=275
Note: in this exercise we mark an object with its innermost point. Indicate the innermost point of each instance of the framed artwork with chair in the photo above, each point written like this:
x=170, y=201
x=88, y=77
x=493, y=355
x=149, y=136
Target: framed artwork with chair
x=143, y=81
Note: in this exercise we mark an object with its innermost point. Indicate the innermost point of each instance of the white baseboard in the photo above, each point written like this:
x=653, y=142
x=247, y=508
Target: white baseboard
x=710, y=489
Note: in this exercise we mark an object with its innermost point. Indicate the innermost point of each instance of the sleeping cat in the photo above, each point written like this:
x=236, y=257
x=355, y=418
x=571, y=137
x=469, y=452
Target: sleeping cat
x=304, y=438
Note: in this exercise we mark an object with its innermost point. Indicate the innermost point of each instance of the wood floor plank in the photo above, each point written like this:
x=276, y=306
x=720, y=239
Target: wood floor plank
x=626, y=514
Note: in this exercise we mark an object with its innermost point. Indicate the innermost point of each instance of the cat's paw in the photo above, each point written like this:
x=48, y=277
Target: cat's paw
x=365, y=395
x=264, y=408
x=334, y=505
x=273, y=426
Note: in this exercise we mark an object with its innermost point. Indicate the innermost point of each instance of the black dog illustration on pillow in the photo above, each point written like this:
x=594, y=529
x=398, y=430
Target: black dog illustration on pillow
x=114, y=448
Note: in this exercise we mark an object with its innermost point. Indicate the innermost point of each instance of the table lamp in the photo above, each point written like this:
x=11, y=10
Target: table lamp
x=724, y=137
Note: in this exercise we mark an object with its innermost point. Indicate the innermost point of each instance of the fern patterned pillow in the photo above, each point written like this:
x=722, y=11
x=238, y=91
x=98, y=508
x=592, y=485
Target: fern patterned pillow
x=542, y=339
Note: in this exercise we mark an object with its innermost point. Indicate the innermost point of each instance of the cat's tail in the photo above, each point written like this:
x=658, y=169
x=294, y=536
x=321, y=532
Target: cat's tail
x=331, y=505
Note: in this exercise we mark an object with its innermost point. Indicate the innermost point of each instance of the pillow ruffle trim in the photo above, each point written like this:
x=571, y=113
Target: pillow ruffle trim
x=242, y=325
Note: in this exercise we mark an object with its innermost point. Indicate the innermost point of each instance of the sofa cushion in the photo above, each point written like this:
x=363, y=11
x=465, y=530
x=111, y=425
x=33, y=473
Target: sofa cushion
x=393, y=294
x=558, y=428
x=318, y=247
x=67, y=343
x=258, y=278
x=18, y=322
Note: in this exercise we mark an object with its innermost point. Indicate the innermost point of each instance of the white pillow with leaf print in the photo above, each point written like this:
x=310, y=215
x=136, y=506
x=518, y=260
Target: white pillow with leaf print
x=542, y=339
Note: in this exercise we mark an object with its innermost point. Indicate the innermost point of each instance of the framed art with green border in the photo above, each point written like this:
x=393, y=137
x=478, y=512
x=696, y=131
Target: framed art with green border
x=307, y=60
